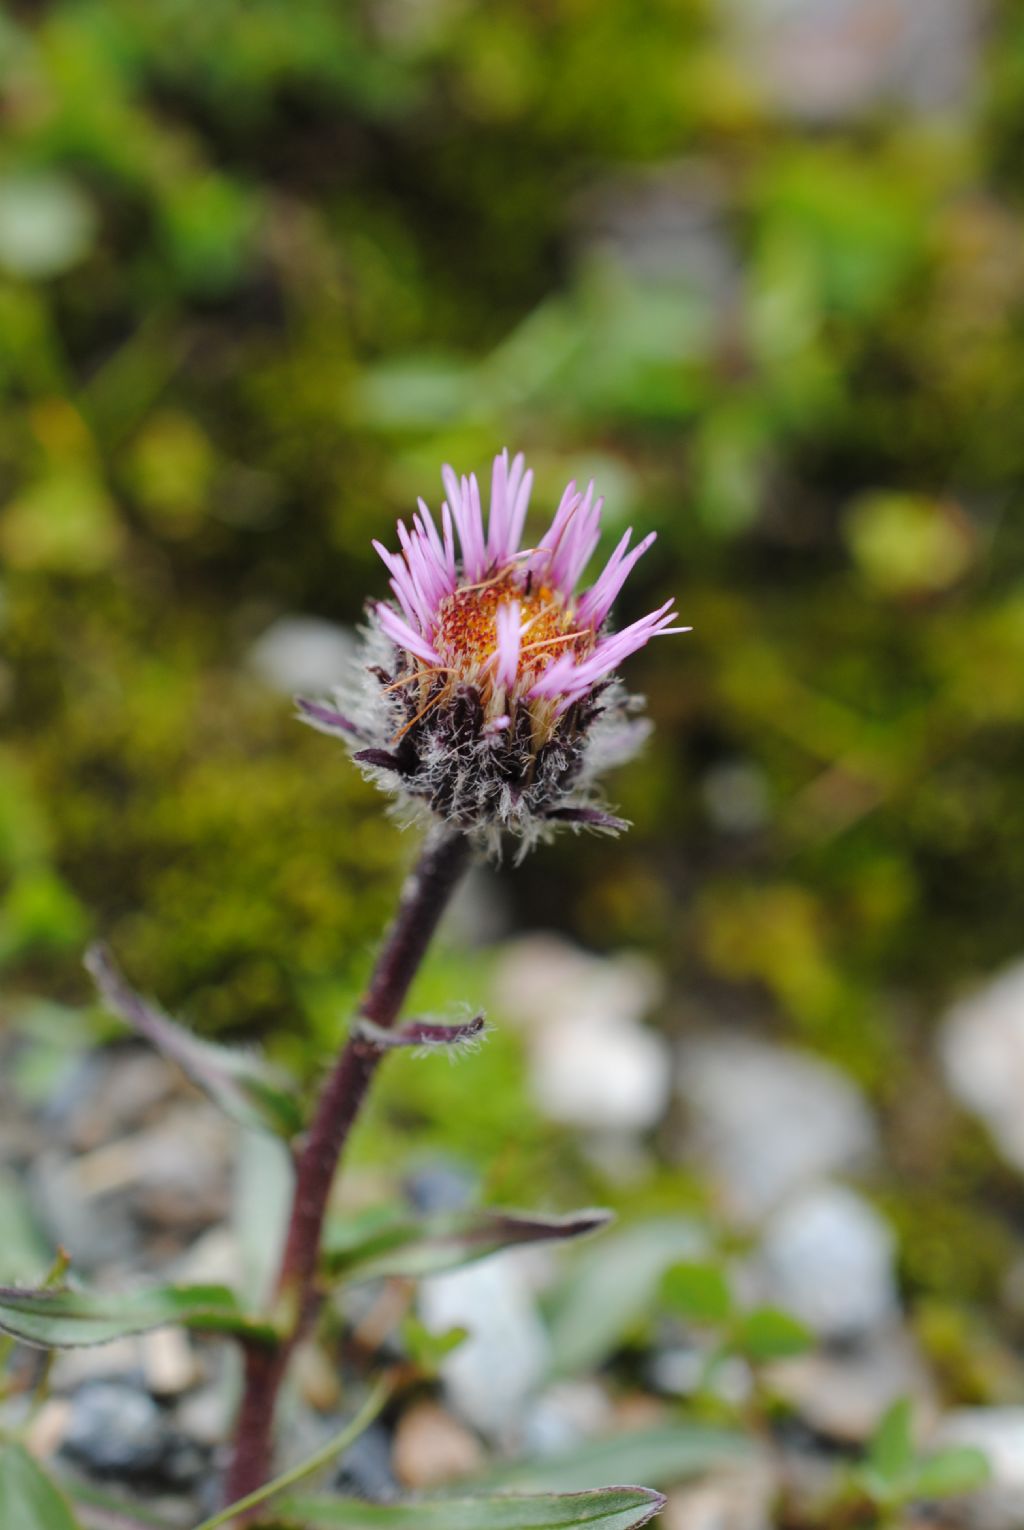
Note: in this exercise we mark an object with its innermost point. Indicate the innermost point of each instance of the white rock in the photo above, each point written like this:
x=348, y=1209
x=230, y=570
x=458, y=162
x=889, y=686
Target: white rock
x=542, y=977
x=843, y=1394
x=981, y=1045
x=740, y=1498
x=592, y=1065
x=598, y=1075
x=770, y=1120
x=828, y=1258
x=302, y=653
x=828, y=60
x=999, y=1434
x=491, y=1376
x=565, y=1415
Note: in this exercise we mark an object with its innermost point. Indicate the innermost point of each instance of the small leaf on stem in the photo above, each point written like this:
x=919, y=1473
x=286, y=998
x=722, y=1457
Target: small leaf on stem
x=244, y=1086
x=405, y=1246
x=428, y=1034
x=326, y=719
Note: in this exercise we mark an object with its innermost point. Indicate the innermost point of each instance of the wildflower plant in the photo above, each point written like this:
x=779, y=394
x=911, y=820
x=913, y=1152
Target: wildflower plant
x=486, y=702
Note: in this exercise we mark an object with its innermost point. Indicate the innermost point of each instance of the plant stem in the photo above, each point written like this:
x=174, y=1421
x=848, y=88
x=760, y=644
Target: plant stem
x=424, y=897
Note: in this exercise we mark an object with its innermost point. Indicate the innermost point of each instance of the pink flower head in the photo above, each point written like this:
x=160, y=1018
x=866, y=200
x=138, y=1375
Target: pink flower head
x=506, y=619
x=492, y=695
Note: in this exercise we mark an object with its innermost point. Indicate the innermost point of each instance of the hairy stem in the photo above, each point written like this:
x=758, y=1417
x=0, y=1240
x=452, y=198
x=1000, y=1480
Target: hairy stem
x=424, y=898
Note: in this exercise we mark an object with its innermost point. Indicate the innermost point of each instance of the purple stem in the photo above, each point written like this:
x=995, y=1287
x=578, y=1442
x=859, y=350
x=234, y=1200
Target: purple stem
x=423, y=900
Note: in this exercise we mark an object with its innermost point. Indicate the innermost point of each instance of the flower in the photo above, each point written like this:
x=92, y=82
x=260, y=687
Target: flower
x=490, y=692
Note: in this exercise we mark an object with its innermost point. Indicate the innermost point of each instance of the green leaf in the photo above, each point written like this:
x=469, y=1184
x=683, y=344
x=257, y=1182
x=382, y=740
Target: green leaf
x=263, y=1188
x=957, y=1469
x=768, y=1334
x=102, y=1511
x=23, y=1253
x=615, y=1508
x=67, y=1318
x=389, y=1242
x=697, y=1292
x=427, y=1350
x=613, y=1289
x=28, y=1499
x=243, y=1085
x=662, y=1456
x=891, y=1448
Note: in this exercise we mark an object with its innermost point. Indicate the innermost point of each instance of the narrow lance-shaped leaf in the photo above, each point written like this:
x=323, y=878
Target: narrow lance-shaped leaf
x=66, y=1318
x=661, y=1456
x=244, y=1086
x=614, y=1508
x=401, y=1245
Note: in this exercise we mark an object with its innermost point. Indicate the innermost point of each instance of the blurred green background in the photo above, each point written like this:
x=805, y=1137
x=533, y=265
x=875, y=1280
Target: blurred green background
x=757, y=268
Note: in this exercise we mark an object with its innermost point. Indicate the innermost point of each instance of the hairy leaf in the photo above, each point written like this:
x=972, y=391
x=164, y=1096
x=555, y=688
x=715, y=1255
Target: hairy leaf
x=397, y=1244
x=615, y=1508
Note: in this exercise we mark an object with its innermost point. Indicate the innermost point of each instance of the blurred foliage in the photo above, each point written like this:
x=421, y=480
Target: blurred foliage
x=264, y=267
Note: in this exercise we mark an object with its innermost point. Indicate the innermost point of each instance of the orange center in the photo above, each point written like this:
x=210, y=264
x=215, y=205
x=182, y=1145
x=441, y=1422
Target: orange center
x=467, y=631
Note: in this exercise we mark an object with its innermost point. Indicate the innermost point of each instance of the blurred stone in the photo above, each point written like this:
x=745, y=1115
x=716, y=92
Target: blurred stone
x=999, y=1434
x=592, y=1065
x=109, y=1093
x=666, y=224
x=316, y=1378
x=605, y=1077
x=492, y=1374
x=439, y=1186
x=478, y=913
x=540, y=977
x=366, y=1470
x=431, y=1448
x=828, y=1257
x=73, y=1368
x=47, y=224
x=681, y=1370
x=565, y=1415
x=740, y=1498
x=96, y=1234
x=302, y=653
x=213, y=1259
x=981, y=1045
x=843, y=1393
x=168, y=1363
x=206, y=1415
x=770, y=1120
x=117, y=1430
x=45, y=1433
x=736, y=796
x=829, y=60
